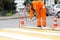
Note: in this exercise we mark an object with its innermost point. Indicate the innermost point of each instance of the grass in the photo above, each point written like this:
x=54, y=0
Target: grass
x=9, y=14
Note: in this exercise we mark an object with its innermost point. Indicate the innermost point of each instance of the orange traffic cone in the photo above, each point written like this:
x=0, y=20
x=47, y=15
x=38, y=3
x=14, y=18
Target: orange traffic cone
x=22, y=21
x=55, y=25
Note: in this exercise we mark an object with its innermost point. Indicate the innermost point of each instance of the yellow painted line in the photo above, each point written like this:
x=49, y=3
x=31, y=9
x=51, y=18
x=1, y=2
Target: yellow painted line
x=32, y=34
x=5, y=38
x=21, y=37
x=39, y=30
x=48, y=32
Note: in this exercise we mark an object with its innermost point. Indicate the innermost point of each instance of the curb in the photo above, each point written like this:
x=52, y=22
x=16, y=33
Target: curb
x=11, y=17
x=6, y=18
x=41, y=28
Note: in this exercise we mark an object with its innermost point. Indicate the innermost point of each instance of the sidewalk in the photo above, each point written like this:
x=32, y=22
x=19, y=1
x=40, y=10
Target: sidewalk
x=9, y=17
x=15, y=16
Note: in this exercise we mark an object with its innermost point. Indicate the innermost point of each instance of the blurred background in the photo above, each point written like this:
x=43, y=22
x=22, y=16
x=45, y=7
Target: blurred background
x=10, y=7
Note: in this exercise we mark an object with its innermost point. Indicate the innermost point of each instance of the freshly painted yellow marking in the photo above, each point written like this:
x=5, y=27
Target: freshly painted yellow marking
x=32, y=34
x=5, y=38
x=39, y=30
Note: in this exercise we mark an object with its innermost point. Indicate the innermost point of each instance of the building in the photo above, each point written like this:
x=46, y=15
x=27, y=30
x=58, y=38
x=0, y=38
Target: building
x=19, y=4
x=49, y=2
x=58, y=1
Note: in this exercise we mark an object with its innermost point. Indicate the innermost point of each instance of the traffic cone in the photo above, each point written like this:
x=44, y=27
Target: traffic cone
x=22, y=21
x=55, y=25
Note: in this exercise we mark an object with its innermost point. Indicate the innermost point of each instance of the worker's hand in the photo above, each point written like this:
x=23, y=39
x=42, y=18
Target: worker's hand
x=30, y=20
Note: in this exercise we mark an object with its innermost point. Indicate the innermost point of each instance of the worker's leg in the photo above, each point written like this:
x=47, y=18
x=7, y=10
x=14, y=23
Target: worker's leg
x=43, y=15
x=38, y=19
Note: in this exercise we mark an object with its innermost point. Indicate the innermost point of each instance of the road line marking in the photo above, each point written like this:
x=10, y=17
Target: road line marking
x=35, y=32
x=21, y=37
x=6, y=38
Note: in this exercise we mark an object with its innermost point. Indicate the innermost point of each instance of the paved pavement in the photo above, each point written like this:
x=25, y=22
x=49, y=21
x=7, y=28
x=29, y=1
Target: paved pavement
x=17, y=15
x=9, y=17
x=28, y=34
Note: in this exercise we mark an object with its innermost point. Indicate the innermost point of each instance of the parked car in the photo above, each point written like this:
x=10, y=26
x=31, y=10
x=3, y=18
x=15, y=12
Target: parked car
x=48, y=8
x=56, y=10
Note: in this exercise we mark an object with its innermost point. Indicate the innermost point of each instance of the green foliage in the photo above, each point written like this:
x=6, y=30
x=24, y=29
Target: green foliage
x=7, y=5
x=55, y=1
x=9, y=14
x=27, y=1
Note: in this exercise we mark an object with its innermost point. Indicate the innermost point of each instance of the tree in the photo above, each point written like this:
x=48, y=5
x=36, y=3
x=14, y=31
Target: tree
x=58, y=1
x=27, y=1
x=55, y=1
x=1, y=5
x=7, y=5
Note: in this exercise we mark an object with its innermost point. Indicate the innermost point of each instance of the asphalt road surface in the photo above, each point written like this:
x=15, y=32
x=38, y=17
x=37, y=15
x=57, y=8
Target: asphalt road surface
x=9, y=30
x=14, y=23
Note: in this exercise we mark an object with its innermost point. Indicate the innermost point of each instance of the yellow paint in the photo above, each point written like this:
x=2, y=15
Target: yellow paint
x=5, y=38
x=34, y=34
x=39, y=30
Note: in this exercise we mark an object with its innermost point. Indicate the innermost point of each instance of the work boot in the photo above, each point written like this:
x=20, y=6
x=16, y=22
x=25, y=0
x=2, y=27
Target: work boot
x=39, y=27
x=44, y=27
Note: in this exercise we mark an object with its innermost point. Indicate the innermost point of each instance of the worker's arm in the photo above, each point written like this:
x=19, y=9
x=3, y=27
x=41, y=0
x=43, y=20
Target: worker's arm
x=31, y=13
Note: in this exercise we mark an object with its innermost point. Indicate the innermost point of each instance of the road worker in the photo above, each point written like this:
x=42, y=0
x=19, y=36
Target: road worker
x=38, y=7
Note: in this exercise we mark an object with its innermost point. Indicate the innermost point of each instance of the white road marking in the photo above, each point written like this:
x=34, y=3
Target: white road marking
x=21, y=37
x=35, y=32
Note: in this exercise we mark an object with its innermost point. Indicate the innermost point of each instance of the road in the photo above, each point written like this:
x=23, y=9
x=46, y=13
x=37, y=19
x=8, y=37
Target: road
x=9, y=30
x=10, y=23
x=28, y=34
x=49, y=20
x=14, y=23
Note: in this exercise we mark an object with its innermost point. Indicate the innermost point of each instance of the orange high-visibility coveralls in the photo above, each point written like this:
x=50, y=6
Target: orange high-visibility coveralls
x=40, y=9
